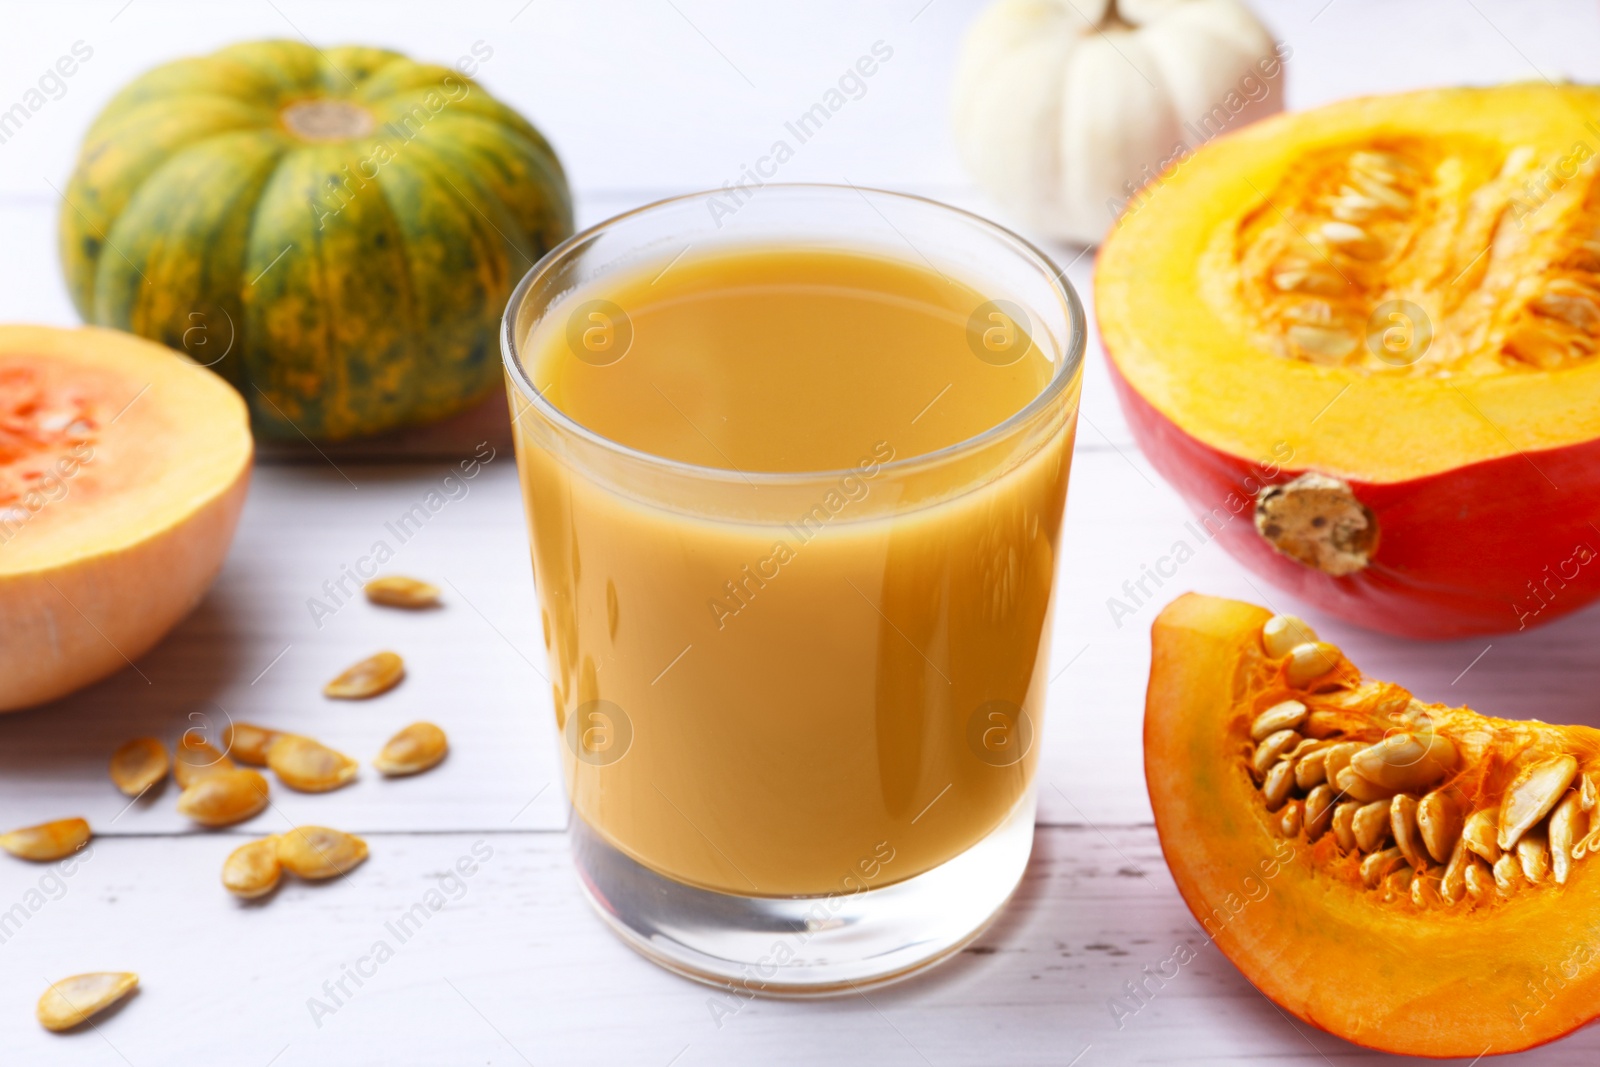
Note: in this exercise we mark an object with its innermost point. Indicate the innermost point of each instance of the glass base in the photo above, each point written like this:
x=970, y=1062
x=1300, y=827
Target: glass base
x=812, y=945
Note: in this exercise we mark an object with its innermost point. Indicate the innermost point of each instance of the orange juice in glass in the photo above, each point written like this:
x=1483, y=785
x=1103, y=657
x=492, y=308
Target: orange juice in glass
x=795, y=476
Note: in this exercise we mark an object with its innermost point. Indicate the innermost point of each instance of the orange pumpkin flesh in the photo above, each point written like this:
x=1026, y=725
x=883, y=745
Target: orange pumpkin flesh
x=123, y=468
x=1428, y=961
x=1402, y=295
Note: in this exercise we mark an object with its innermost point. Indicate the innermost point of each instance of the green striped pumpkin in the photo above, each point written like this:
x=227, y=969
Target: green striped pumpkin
x=334, y=231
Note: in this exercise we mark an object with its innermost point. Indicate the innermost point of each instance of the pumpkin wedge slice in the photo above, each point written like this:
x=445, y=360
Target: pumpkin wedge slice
x=123, y=468
x=1411, y=877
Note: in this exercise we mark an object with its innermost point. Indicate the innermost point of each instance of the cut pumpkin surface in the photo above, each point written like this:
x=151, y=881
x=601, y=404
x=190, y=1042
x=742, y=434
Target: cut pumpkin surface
x=1386, y=313
x=123, y=468
x=1408, y=876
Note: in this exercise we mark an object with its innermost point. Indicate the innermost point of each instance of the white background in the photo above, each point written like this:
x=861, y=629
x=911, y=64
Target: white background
x=642, y=100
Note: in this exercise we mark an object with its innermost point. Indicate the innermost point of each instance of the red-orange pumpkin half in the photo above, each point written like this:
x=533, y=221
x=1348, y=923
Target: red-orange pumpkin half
x=1412, y=877
x=1364, y=342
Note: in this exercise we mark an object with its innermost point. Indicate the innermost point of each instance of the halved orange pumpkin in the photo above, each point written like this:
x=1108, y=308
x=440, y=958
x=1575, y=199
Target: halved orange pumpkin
x=123, y=467
x=1408, y=876
x=1364, y=343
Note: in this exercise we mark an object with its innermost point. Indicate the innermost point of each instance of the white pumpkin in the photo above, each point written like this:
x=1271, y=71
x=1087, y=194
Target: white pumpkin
x=1064, y=109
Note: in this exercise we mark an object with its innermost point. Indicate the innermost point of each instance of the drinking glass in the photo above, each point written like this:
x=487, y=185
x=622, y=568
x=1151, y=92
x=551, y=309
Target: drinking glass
x=834, y=787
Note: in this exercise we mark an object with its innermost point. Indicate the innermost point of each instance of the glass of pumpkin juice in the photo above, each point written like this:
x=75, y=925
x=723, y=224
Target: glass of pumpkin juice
x=794, y=463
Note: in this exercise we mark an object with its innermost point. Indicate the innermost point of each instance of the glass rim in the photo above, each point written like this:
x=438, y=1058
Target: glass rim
x=1072, y=351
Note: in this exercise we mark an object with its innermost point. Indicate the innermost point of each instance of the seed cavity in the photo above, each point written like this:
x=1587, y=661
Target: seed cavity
x=73, y=1001
x=1374, y=770
x=48, y=841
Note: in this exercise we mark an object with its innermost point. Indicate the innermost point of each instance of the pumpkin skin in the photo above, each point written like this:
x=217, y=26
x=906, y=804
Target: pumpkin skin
x=1478, y=472
x=123, y=469
x=1467, y=979
x=336, y=233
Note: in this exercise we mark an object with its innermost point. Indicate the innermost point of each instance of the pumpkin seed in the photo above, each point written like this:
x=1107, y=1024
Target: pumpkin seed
x=1534, y=791
x=1269, y=751
x=1309, y=661
x=1311, y=770
x=1372, y=825
x=1281, y=633
x=1319, y=811
x=48, y=841
x=1477, y=879
x=1425, y=889
x=1507, y=874
x=139, y=764
x=1439, y=820
x=1275, y=790
x=1479, y=834
x=396, y=592
x=416, y=748
x=224, y=798
x=73, y=1000
x=1325, y=341
x=1589, y=794
x=1344, y=832
x=1453, y=885
x=1403, y=824
x=247, y=743
x=309, y=766
x=196, y=758
x=316, y=852
x=252, y=870
x=1406, y=761
x=372, y=676
x=1337, y=758
x=1289, y=821
x=1286, y=715
x=1566, y=829
x=1378, y=866
x=1396, y=884
x=1533, y=856
x=1356, y=787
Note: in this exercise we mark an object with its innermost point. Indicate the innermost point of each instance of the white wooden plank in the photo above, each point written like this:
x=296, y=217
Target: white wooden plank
x=514, y=968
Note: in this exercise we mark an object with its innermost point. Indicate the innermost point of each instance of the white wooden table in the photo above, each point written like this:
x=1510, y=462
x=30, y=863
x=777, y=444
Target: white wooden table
x=643, y=99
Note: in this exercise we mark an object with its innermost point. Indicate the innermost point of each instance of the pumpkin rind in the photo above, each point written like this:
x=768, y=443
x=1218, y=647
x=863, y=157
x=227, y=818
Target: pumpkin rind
x=345, y=285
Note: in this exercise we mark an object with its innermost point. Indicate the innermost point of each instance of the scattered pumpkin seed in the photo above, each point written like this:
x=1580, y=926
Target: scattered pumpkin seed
x=309, y=766
x=196, y=758
x=72, y=1000
x=47, y=842
x=395, y=591
x=316, y=852
x=413, y=750
x=139, y=764
x=373, y=675
x=252, y=870
x=247, y=743
x=224, y=797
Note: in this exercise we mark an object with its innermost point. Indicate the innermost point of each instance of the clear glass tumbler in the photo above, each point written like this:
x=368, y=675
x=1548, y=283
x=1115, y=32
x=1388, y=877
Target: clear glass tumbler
x=835, y=790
